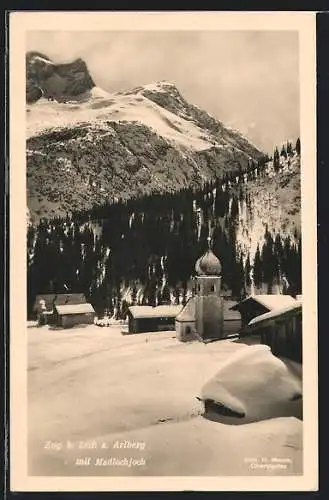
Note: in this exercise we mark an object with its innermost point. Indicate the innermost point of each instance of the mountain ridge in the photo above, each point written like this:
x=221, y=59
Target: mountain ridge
x=86, y=145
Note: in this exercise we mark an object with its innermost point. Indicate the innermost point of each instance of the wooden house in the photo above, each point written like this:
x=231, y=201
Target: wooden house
x=69, y=315
x=255, y=305
x=52, y=299
x=152, y=319
x=281, y=329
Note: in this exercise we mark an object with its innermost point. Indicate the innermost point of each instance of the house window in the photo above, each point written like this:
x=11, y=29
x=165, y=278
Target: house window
x=212, y=288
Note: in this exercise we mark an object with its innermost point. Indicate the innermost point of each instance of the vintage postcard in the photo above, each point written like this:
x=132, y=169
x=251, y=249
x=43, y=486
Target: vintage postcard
x=163, y=307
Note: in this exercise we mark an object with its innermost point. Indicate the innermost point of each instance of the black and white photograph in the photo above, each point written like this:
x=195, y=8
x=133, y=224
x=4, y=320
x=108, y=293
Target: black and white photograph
x=164, y=274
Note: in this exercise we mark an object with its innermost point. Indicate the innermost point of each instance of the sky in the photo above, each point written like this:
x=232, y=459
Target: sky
x=247, y=79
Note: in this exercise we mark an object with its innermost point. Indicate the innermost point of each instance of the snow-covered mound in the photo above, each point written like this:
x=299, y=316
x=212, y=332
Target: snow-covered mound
x=254, y=385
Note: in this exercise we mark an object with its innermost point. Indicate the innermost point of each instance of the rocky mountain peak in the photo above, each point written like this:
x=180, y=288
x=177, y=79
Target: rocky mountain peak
x=55, y=81
x=166, y=95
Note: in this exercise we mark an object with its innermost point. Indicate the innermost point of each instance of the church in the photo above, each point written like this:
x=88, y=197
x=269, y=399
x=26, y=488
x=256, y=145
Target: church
x=207, y=315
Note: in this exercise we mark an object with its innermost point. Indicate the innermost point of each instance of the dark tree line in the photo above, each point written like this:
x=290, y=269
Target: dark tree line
x=149, y=246
x=279, y=261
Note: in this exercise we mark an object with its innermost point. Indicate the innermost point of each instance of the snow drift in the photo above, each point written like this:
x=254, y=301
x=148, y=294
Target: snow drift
x=254, y=385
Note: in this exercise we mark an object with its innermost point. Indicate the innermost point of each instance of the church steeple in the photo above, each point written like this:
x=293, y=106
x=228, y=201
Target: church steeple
x=208, y=300
x=208, y=264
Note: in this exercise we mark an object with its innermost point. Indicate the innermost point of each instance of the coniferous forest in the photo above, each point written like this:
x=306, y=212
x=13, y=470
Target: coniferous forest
x=144, y=250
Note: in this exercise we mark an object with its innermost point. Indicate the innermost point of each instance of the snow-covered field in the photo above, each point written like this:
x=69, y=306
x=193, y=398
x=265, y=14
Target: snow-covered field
x=103, y=403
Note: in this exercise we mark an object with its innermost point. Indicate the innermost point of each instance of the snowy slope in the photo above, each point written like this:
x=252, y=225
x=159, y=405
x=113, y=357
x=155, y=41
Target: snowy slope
x=98, y=105
x=64, y=368
x=85, y=145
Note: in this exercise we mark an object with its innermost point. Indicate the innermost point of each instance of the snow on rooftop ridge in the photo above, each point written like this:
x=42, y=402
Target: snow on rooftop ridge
x=155, y=312
x=74, y=308
x=276, y=312
x=271, y=302
x=275, y=301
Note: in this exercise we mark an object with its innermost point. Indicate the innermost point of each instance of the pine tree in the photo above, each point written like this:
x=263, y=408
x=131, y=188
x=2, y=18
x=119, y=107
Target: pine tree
x=152, y=293
x=276, y=160
x=289, y=148
x=257, y=268
x=166, y=295
x=283, y=151
x=297, y=147
x=278, y=251
x=238, y=280
x=247, y=270
x=176, y=295
x=268, y=260
x=234, y=208
x=134, y=294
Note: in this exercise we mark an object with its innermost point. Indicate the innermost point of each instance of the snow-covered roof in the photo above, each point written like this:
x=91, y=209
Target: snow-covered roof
x=188, y=313
x=163, y=311
x=75, y=308
x=52, y=299
x=297, y=306
x=271, y=302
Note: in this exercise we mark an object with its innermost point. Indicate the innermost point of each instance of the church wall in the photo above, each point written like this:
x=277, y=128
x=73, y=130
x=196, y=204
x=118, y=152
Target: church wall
x=185, y=331
x=209, y=316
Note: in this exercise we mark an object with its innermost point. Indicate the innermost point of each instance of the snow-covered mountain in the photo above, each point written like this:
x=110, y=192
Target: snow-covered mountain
x=86, y=146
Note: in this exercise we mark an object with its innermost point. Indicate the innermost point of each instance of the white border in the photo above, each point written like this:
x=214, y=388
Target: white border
x=20, y=22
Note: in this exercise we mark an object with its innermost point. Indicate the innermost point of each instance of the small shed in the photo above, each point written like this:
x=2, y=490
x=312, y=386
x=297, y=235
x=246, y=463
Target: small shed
x=255, y=305
x=152, y=319
x=281, y=329
x=70, y=315
x=52, y=299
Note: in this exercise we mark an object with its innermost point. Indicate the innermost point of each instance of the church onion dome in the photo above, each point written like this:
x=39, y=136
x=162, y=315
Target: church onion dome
x=208, y=264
